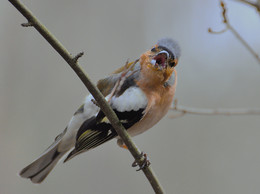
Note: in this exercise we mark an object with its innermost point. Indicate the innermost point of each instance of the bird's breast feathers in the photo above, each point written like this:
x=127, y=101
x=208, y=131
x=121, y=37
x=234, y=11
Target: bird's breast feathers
x=132, y=99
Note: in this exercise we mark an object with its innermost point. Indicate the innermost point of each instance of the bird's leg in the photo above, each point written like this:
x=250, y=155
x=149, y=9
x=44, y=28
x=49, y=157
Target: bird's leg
x=144, y=161
x=121, y=144
x=143, y=157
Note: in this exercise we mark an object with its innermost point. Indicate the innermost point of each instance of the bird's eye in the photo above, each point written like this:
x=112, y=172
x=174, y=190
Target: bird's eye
x=173, y=63
x=153, y=49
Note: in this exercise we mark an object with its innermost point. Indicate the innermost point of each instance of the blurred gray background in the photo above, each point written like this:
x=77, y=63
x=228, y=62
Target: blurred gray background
x=191, y=155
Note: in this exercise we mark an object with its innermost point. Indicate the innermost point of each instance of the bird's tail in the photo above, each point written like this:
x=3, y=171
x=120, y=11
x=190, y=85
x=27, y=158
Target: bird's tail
x=38, y=170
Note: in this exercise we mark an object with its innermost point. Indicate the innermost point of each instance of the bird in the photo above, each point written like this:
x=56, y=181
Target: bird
x=140, y=93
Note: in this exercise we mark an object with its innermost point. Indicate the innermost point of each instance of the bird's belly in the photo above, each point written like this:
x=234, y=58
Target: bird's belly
x=152, y=117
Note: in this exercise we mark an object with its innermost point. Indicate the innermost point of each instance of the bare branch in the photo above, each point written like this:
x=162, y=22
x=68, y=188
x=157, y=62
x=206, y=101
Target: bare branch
x=255, y=4
x=237, y=35
x=103, y=104
x=182, y=110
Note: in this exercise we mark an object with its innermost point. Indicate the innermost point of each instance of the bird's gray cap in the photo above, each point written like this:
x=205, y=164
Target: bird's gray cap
x=171, y=45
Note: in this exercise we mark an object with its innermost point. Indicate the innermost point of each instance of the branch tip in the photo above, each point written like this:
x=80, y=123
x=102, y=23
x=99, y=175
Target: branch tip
x=217, y=32
x=76, y=58
x=28, y=24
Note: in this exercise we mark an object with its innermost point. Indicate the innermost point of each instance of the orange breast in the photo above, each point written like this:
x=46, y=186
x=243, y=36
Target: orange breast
x=159, y=103
x=160, y=99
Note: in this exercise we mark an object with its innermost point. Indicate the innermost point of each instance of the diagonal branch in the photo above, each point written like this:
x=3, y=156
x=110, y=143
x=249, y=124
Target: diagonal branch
x=72, y=61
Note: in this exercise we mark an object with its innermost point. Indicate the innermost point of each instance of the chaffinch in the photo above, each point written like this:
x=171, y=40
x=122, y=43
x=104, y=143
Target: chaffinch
x=140, y=93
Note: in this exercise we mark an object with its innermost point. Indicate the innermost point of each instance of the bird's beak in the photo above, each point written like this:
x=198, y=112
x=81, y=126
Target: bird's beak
x=160, y=60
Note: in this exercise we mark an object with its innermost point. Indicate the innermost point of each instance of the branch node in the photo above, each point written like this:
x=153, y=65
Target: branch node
x=28, y=24
x=76, y=58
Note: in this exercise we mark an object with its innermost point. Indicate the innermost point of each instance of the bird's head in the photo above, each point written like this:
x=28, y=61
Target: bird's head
x=161, y=59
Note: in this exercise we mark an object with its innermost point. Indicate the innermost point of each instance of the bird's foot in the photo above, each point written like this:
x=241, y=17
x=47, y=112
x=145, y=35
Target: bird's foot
x=144, y=162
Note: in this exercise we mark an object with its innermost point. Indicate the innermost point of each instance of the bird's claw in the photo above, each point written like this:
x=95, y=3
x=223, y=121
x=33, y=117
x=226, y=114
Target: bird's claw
x=145, y=161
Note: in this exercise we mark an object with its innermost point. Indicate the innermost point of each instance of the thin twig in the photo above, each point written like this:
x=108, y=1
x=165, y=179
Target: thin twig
x=92, y=89
x=255, y=4
x=76, y=58
x=237, y=35
x=28, y=24
x=219, y=111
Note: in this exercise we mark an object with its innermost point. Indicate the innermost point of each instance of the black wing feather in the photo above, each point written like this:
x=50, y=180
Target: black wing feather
x=97, y=130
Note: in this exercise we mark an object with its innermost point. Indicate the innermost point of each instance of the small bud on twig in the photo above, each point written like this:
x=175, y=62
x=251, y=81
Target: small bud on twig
x=76, y=58
x=28, y=24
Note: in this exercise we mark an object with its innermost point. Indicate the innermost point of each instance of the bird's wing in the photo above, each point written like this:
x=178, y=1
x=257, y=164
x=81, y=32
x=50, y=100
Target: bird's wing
x=90, y=109
x=107, y=84
x=128, y=103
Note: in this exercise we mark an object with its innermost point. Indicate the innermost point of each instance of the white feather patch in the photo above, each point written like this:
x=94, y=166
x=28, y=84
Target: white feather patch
x=90, y=108
x=132, y=99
